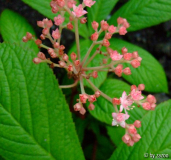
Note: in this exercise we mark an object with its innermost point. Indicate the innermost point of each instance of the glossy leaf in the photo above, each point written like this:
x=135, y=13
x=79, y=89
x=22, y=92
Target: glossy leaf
x=35, y=120
x=44, y=8
x=14, y=27
x=149, y=73
x=155, y=136
x=104, y=109
x=84, y=46
x=142, y=14
x=99, y=11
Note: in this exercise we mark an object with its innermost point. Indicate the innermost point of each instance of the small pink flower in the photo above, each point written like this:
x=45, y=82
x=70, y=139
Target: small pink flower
x=125, y=102
x=141, y=87
x=95, y=25
x=60, y=3
x=146, y=106
x=135, y=54
x=83, y=98
x=115, y=56
x=106, y=43
x=97, y=94
x=45, y=31
x=135, y=63
x=70, y=68
x=62, y=64
x=112, y=29
x=59, y=20
x=136, y=95
x=77, y=107
x=94, y=36
x=126, y=138
x=77, y=62
x=136, y=137
x=78, y=11
x=94, y=74
x=83, y=20
x=127, y=56
x=41, y=55
x=70, y=3
x=122, y=30
x=56, y=34
x=65, y=57
x=116, y=101
x=127, y=71
x=73, y=56
x=82, y=110
x=91, y=106
x=151, y=99
x=92, y=98
x=120, y=20
x=132, y=129
x=88, y=3
x=70, y=26
x=124, y=50
x=108, y=35
x=37, y=60
x=137, y=124
x=104, y=25
x=118, y=70
x=119, y=119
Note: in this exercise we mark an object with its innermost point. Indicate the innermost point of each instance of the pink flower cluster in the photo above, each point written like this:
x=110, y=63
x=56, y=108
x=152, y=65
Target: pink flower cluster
x=77, y=66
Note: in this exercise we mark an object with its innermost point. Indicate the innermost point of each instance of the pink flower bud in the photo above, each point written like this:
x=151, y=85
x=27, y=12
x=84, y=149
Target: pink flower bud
x=127, y=71
x=49, y=24
x=77, y=107
x=83, y=98
x=112, y=29
x=55, y=9
x=127, y=56
x=40, y=24
x=94, y=36
x=122, y=31
x=91, y=106
x=42, y=36
x=104, y=25
x=71, y=18
x=120, y=20
x=130, y=143
x=65, y=57
x=141, y=87
x=73, y=56
x=25, y=39
x=59, y=20
x=92, y=98
x=61, y=47
x=133, y=87
x=88, y=3
x=41, y=55
x=137, y=124
x=45, y=31
x=116, y=101
x=62, y=64
x=125, y=23
x=124, y=50
x=83, y=20
x=151, y=99
x=135, y=54
x=95, y=25
x=126, y=138
x=132, y=129
x=146, y=106
x=94, y=74
x=135, y=63
x=56, y=34
x=118, y=70
x=82, y=111
x=70, y=68
x=104, y=61
x=78, y=11
x=38, y=42
x=37, y=60
x=29, y=35
x=108, y=36
x=53, y=54
x=97, y=94
x=56, y=45
x=136, y=137
x=60, y=3
x=70, y=26
x=77, y=62
x=106, y=43
x=70, y=3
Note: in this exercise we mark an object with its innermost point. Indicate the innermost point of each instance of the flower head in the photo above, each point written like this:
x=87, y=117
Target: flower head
x=88, y=3
x=78, y=11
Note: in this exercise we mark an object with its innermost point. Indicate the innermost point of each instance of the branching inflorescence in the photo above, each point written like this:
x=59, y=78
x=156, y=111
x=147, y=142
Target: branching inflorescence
x=78, y=70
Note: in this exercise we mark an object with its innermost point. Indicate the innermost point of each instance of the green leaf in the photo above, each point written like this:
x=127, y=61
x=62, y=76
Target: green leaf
x=155, y=133
x=35, y=120
x=104, y=109
x=99, y=11
x=14, y=27
x=44, y=8
x=84, y=46
x=149, y=73
x=141, y=14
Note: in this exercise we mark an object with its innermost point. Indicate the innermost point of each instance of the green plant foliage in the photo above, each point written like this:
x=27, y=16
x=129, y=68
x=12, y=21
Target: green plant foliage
x=156, y=137
x=44, y=8
x=143, y=13
x=149, y=73
x=104, y=109
x=84, y=46
x=14, y=27
x=35, y=120
x=99, y=11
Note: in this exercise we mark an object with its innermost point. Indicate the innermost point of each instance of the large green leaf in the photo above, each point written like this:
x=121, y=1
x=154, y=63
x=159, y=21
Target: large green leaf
x=104, y=109
x=99, y=11
x=14, y=27
x=84, y=46
x=44, y=8
x=35, y=120
x=141, y=14
x=149, y=73
x=155, y=133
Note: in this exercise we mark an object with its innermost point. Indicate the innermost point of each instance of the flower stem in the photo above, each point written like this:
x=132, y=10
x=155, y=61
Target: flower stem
x=69, y=86
x=82, y=85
